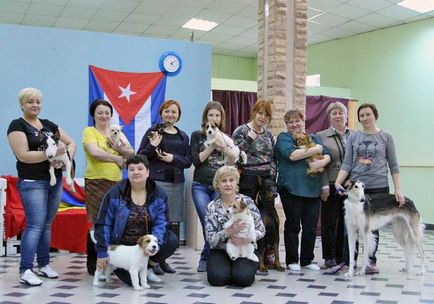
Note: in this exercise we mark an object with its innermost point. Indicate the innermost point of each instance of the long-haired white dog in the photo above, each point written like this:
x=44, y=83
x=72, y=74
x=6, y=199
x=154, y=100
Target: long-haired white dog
x=239, y=210
x=212, y=133
x=361, y=217
x=132, y=258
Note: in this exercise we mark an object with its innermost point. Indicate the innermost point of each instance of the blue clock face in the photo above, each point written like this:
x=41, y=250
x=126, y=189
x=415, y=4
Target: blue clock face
x=170, y=63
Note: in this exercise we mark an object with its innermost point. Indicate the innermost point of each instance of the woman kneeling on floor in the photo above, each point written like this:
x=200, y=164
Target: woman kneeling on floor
x=221, y=270
x=132, y=208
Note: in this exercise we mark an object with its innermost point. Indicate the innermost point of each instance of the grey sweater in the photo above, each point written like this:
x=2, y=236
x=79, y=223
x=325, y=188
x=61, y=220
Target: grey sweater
x=367, y=157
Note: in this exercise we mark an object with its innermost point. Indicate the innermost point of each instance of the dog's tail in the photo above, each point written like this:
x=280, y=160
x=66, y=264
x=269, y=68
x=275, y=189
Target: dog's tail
x=92, y=235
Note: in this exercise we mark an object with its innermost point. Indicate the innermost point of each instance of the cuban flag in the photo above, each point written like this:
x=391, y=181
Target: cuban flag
x=136, y=99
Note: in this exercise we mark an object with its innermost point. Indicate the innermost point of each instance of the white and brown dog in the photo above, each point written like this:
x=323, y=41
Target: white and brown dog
x=239, y=210
x=213, y=133
x=132, y=258
x=50, y=143
x=362, y=217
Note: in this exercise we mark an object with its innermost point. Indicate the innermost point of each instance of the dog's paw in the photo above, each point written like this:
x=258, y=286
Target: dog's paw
x=280, y=268
x=138, y=288
x=263, y=268
x=147, y=286
x=360, y=273
x=96, y=283
x=108, y=280
x=349, y=274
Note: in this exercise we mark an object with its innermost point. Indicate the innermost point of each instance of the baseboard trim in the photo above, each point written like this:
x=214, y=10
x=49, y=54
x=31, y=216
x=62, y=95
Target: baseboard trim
x=429, y=226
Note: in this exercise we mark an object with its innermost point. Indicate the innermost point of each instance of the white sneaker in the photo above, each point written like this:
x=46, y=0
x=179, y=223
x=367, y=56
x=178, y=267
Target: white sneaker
x=29, y=278
x=152, y=276
x=294, y=267
x=47, y=272
x=311, y=266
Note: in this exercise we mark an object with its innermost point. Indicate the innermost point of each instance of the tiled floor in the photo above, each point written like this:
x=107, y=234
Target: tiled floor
x=188, y=286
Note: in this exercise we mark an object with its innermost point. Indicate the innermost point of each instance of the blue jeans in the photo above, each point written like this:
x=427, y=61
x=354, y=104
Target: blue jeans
x=202, y=196
x=40, y=202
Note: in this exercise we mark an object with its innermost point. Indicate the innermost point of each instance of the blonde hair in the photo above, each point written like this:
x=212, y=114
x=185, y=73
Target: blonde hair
x=27, y=93
x=223, y=172
x=337, y=106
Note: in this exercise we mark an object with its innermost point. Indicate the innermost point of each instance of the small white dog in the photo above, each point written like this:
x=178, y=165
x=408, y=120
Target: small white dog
x=212, y=133
x=361, y=217
x=115, y=134
x=239, y=210
x=51, y=144
x=132, y=258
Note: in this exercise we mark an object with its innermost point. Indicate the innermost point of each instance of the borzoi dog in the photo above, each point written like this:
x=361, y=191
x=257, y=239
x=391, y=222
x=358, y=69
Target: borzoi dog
x=212, y=133
x=51, y=143
x=132, y=258
x=239, y=210
x=362, y=217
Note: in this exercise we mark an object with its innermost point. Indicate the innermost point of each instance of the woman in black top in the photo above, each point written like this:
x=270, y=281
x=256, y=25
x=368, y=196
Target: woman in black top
x=40, y=200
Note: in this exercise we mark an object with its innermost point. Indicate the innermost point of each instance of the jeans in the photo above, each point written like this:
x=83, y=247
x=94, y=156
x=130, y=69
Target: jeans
x=202, y=196
x=304, y=210
x=40, y=202
x=222, y=271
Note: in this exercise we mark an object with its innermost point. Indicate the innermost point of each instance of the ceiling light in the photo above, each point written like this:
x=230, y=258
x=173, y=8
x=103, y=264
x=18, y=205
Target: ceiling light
x=421, y=6
x=199, y=24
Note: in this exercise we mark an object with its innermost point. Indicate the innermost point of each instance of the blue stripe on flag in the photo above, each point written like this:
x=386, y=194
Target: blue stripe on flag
x=95, y=92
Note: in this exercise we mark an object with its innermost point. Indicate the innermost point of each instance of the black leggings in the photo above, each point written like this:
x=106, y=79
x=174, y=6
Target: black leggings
x=223, y=271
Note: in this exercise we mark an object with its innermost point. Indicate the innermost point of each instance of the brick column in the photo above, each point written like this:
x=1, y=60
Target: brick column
x=282, y=57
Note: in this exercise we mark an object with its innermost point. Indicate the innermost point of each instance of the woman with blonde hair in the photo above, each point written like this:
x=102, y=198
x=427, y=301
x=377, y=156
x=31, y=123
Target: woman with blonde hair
x=40, y=199
x=221, y=269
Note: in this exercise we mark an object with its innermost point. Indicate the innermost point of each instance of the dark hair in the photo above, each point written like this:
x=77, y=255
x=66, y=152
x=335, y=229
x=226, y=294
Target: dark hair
x=215, y=105
x=367, y=105
x=99, y=102
x=137, y=159
x=167, y=104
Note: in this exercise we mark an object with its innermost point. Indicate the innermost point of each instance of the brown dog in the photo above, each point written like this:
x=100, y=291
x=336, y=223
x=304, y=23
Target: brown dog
x=304, y=141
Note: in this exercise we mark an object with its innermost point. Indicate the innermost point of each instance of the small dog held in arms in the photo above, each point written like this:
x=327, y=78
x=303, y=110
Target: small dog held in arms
x=158, y=129
x=270, y=242
x=304, y=141
x=362, y=217
x=132, y=258
x=239, y=210
x=115, y=134
x=50, y=143
x=213, y=133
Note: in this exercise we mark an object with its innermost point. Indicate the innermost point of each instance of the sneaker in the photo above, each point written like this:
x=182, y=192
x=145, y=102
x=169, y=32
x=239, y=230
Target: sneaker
x=330, y=263
x=157, y=270
x=294, y=267
x=167, y=268
x=152, y=276
x=47, y=272
x=202, y=266
x=30, y=278
x=372, y=269
x=311, y=266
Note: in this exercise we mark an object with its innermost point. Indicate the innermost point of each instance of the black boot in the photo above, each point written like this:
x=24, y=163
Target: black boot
x=175, y=227
x=91, y=256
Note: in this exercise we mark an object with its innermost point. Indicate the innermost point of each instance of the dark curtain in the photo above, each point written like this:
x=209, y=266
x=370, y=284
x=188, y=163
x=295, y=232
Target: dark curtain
x=316, y=112
x=238, y=106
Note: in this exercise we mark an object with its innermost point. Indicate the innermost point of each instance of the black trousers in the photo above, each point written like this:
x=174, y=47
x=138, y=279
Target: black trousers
x=298, y=210
x=332, y=226
x=166, y=250
x=222, y=271
x=249, y=185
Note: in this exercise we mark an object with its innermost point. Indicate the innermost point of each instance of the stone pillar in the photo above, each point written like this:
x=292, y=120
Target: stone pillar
x=282, y=56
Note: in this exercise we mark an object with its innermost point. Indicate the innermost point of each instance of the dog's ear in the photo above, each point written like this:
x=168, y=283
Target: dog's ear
x=141, y=241
x=41, y=136
x=243, y=204
x=57, y=135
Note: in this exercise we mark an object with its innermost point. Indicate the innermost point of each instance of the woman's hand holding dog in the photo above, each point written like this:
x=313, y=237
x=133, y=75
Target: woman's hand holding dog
x=164, y=156
x=120, y=161
x=61, y=148
x=121, y=147
x=102, y=263
x=399, y=197
x=156, y=139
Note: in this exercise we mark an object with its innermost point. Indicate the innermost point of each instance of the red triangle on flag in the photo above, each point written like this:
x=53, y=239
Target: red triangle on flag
x=126, y=91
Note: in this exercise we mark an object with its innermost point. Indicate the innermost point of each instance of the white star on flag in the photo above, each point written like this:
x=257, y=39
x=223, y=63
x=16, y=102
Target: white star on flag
x=126, y=92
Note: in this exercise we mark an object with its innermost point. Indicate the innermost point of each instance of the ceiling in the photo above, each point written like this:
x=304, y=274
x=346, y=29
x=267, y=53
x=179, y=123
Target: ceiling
x=235, y=35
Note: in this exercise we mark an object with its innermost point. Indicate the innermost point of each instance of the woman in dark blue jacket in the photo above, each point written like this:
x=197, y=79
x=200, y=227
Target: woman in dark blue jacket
x=132, y=208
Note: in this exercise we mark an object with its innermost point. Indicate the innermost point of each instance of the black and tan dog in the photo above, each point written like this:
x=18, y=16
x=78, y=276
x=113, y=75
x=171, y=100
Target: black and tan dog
x=270, y=242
